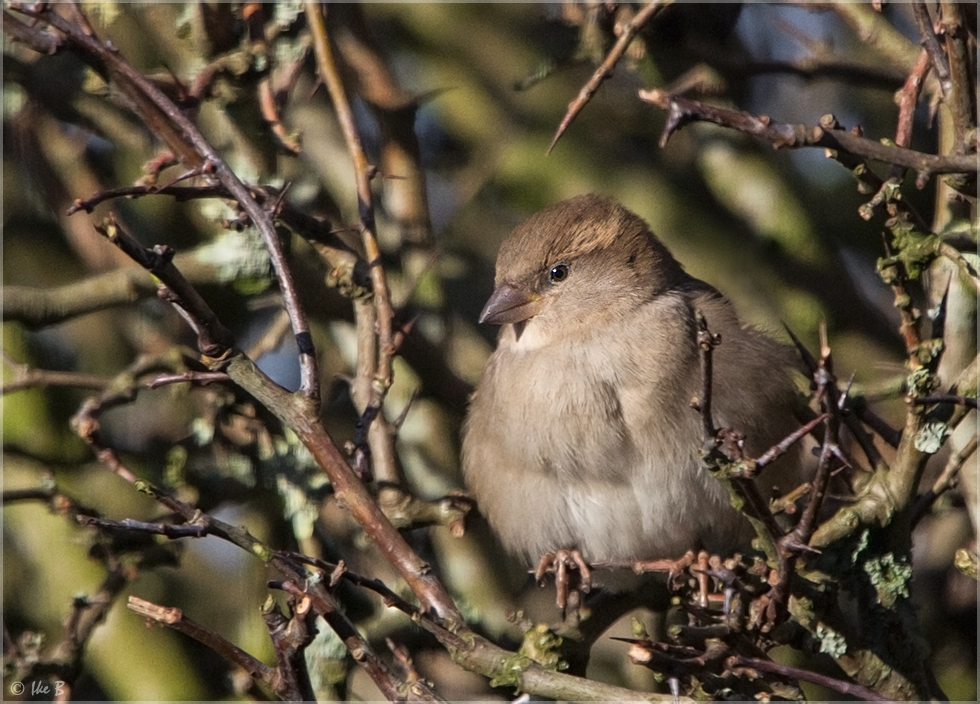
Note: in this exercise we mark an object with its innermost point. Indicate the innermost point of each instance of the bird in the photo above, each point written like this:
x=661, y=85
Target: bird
x=580, y=437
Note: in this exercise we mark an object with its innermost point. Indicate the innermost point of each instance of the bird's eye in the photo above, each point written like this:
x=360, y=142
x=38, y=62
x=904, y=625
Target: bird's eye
x=558, y=273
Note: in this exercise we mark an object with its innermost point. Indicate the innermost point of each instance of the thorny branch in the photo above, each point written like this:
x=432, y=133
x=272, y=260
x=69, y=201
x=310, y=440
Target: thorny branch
x=199, y=524
x=605, y=69
x=682, y=111
x=174, y=618
x=757, y=509
x=797, y=540
x=183, y=136
x=375, y=334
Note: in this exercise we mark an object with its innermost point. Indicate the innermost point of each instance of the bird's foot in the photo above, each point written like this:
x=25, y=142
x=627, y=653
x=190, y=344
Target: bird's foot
x=707, y=569
x=572, y=575
x=702, y=566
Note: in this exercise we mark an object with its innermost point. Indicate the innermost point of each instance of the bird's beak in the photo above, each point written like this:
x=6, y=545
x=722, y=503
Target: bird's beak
x=510, y=304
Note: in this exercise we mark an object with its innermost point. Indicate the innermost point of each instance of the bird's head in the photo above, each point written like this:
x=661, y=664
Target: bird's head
x=576, y=262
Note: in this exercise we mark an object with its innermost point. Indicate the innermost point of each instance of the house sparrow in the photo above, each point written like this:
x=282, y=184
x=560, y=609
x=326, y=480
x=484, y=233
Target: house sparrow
x=581, y=436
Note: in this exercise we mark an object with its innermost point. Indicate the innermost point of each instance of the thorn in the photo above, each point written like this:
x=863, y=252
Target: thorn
x=808, y=359
x=842, y=401
x=397, y=423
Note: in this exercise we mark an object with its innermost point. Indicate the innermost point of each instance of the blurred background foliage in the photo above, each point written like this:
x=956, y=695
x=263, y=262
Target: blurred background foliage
x=776, y=231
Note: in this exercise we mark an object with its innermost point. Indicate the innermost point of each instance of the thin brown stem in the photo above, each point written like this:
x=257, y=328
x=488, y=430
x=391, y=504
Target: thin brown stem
x=929, y=42
x=29, y=378
x=797, y=540
x=183, y=136
x=798, y=673
x=330, y=611
x=174, y=618
x=605, y=69
x=682, y=111
x=967, y=401
x=782, y=447
x=961, y=93
x=908, y=99
x=375, y=358
x=945, y=481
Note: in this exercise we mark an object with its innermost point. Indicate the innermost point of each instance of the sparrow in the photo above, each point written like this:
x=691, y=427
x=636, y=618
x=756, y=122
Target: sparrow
x=580, y=435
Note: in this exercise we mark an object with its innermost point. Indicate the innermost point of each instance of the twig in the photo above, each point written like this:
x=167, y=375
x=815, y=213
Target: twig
x=39, y=307
x=183, y=136
x=961, y=94
x=32, y=36
x=174, y=618
x=295, y=413
x=324, y=604
x=44, y=493
x=787, y=502
x=825, y=381
x=967, y=401
x=706, y=344
x=87, y=612
x=908, y=98
x=214, y=340
x=797, y=540
x=343, y=260
x=26, y=377
x=340, y=571
x=682, y=111
x=375, y=354
x=202, y=378
x=896, y=277
x=931, y=44
x=254, y=14
x=395, y=110
x=290, y=638
x=894, y=488
x=782, y=447
x=199, y=525
x=744, y=488
x=181, y=193
x=186, y=530
x=945, y=481
x=798, y=673
x=606, y=67
x=889, y=434
x=121, y=390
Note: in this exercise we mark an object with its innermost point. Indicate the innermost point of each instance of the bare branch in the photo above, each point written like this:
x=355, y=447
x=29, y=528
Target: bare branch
x=945, y=481
x=183, y=136
x=682, y=111
x=605, y=69
x=375, y=337
x=832, y=683
x=931, y=44
x=174, y=618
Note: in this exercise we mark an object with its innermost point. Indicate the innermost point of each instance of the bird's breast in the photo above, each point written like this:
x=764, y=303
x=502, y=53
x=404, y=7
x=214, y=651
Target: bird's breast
x=562, y=412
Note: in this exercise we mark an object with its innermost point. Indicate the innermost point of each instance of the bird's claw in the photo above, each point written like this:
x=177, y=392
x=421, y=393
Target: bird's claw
x=562, y=563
